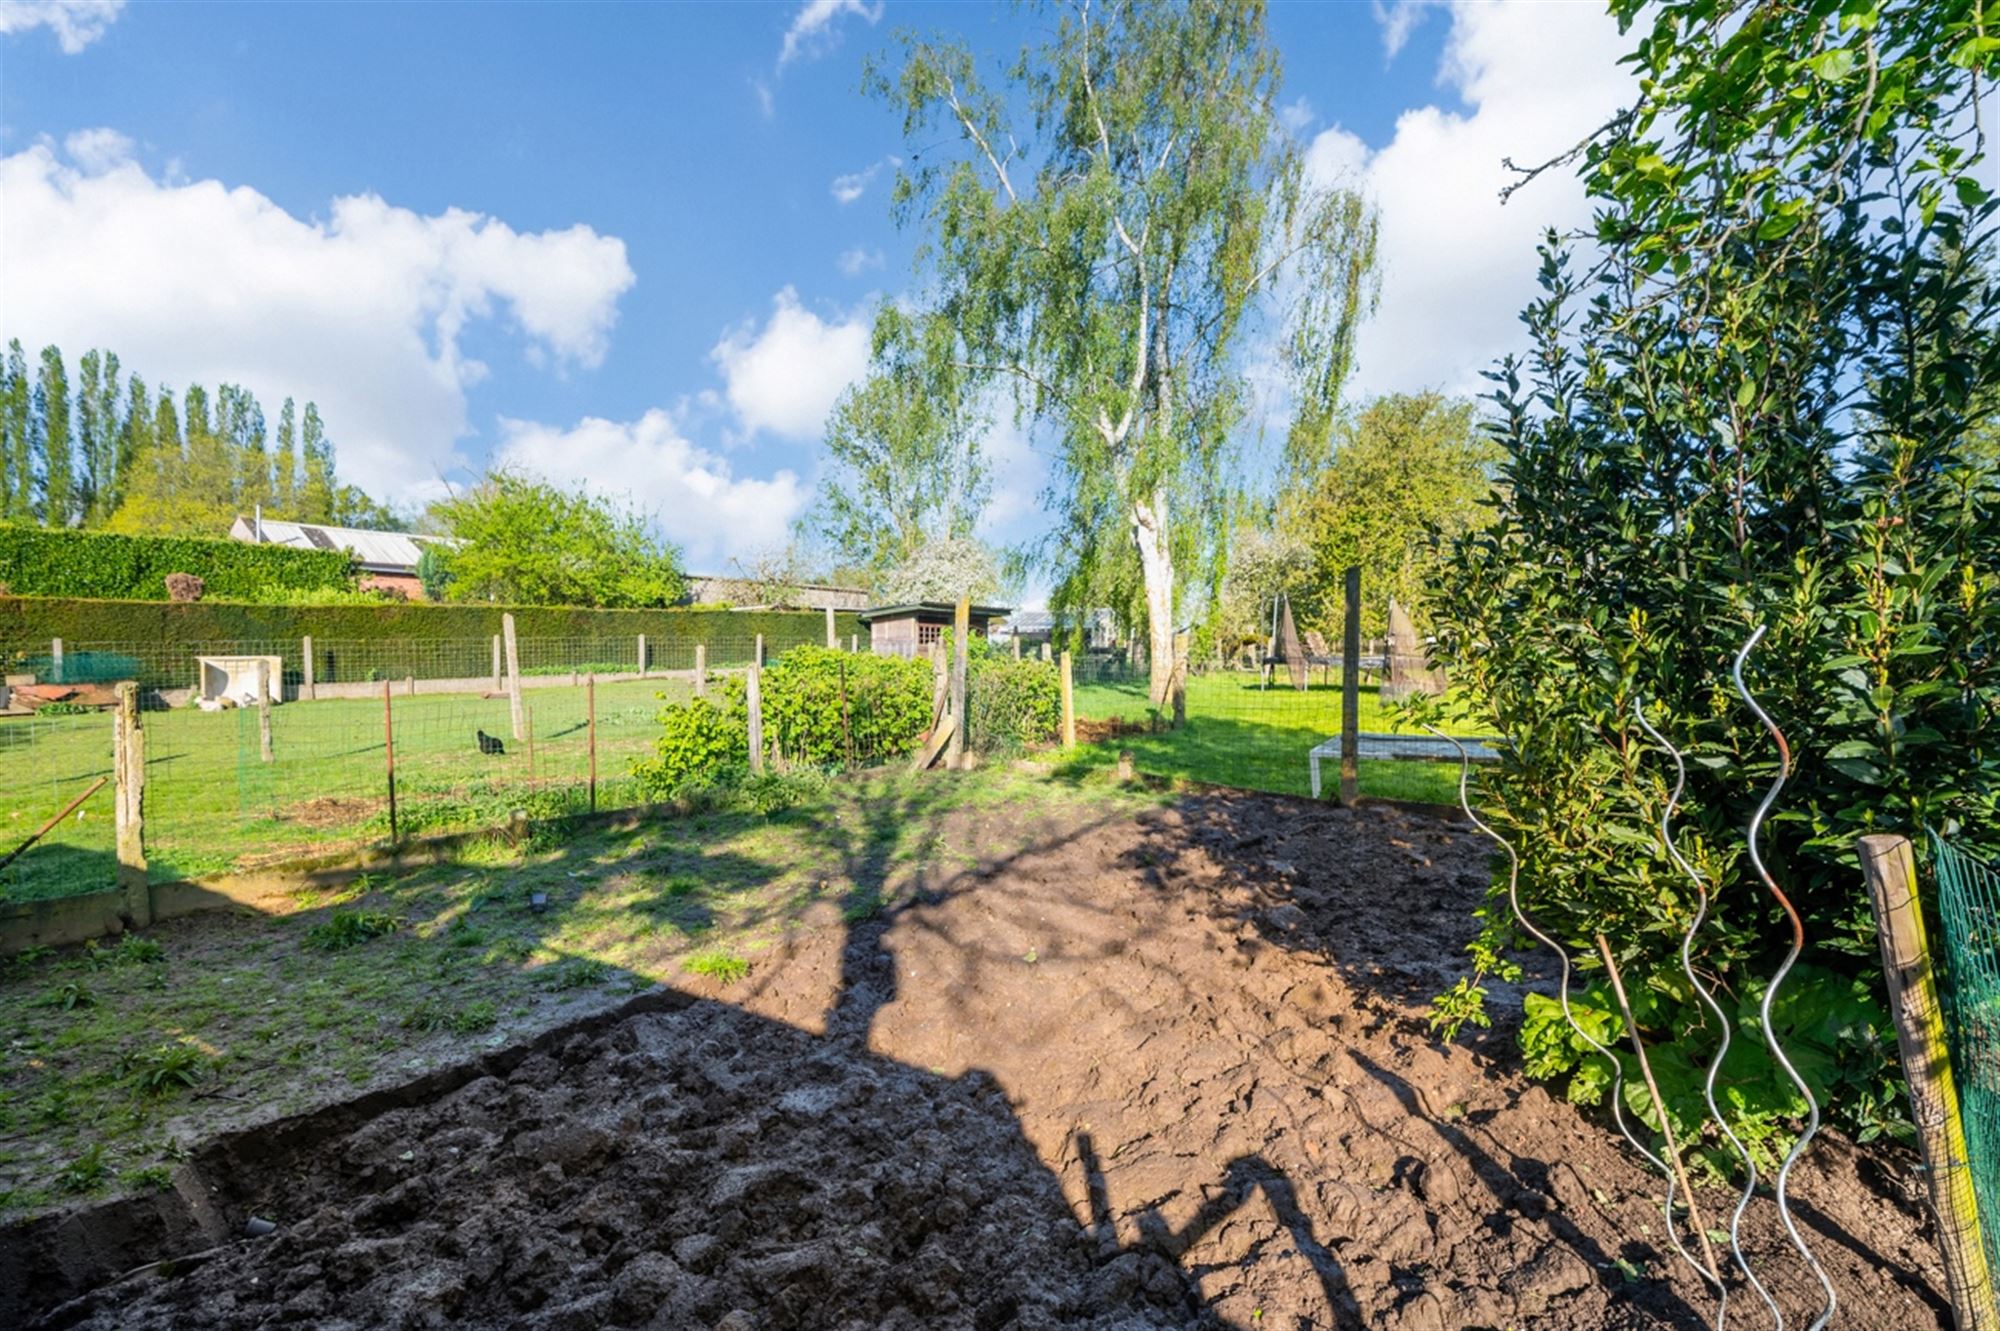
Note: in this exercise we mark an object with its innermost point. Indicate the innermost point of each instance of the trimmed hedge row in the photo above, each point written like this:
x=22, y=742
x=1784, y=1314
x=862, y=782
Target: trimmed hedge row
x=161, y=630
x=42, y=561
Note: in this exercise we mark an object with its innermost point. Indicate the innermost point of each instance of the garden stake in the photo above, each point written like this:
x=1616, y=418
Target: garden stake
x=1678, y=1174
x=1778, y=978
x=590, y=721
x=1708, y=1000
x=389, y=748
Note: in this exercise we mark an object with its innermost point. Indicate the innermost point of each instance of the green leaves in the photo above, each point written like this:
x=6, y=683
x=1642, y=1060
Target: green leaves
x=525, y=542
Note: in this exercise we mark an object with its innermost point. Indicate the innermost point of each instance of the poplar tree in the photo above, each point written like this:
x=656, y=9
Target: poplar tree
x=51, y=438
x=97, y=434
x=17, y=471
x=285, y=471
x=317, y=502
x=135, y=441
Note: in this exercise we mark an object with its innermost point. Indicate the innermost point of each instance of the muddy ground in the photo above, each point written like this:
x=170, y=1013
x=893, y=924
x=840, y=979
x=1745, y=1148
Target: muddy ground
x=1161, y=1071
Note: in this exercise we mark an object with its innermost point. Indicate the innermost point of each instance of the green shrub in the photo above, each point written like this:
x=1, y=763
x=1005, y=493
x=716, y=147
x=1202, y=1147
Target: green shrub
x=44, y=561
x=827, y=708
x=1010, y=704
x=701, y=740
x=85, y=1173
x=173, y=1066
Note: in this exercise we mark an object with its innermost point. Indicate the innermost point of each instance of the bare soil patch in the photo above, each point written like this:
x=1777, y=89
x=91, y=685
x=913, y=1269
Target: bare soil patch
x=1155, y=1071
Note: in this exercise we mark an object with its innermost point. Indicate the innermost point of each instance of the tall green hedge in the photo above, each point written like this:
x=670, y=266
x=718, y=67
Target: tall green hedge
x=358, y=641
x=42, y=561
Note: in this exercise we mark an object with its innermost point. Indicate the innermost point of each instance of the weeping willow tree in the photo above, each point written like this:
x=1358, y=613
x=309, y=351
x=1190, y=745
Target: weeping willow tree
x=1117, y=226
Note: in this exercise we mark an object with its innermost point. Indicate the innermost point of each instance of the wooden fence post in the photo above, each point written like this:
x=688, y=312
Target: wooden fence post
x=389, y=760
x=308, y=690
x=961, y=646
x=753, y=696
x=642, y=656
x=1890, y=867
x=1350, y=694
x=1068, y=706
x=56, y=660
x=513, y=646
x=854, y=642
x=1017, y=646
x=128, y=796
x=264, y=710
x=1045, y=651
x=701, y=670
x=590, y=732
x=832, y=633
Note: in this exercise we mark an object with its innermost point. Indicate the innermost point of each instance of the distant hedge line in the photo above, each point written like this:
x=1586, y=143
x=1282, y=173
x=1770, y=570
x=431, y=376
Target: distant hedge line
x=27, y=623
x=41, y=561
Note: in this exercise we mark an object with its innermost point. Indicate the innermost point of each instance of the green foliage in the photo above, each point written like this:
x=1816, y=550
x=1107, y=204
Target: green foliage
x=37, y=561
x=351, y=928
x=904, y=465
x=722, y=967
x=86, y=1173
x=576, y=973
x=827, y=708
x=164, y=1068
x=1106, y=253
x=434, y=571
x=527, y=541
x=1761, y=411
x=1406, y=469
x=767, y=794
x=434, y=1014
x=700, y=741
x=67, y=997
x=1010, y=705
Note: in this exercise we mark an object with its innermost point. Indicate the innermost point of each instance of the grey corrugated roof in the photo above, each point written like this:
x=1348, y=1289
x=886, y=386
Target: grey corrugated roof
x=382, y=551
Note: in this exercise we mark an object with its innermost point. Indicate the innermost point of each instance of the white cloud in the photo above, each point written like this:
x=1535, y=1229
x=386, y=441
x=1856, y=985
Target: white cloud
x=812, y=29
x=691, y=492
x=785, y=377
x=1399, y=19
x=98, y=150
x=362, y=312
x=859, y=260
x=1457, y=266
x=76, y=23
x=846, y=189
x=1296, y=115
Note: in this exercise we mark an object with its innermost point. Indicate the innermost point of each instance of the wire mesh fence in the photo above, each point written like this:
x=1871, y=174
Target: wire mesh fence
x=1969, y=909
x=46, y=764
x=1251, y=728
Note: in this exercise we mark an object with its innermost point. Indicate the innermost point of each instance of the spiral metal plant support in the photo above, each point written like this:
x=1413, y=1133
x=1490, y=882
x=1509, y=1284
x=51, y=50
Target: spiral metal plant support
x=1562, y=994
x=1771, y=1040
x=1708, y=1000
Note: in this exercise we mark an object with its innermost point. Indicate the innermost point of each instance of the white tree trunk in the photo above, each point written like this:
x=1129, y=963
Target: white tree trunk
x=1156, y=567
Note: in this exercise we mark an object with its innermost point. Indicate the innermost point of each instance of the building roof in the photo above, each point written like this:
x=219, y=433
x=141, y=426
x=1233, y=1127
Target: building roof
x=910, y=609
x=375, y=551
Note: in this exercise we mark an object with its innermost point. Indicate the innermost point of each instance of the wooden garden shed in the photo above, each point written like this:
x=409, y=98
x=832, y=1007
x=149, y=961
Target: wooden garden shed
x=911, y=628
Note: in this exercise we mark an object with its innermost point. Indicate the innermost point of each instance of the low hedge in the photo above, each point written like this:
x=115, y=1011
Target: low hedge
x=44, y=561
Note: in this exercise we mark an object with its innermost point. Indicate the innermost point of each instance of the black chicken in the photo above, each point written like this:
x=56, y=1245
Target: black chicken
x=490, y=744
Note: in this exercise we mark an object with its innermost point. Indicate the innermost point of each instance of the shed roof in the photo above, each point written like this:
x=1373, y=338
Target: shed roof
x=925, y=609
x=377, y=551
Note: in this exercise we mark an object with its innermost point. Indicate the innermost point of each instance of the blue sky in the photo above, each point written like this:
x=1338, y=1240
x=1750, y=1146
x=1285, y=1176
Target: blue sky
x=634, y=246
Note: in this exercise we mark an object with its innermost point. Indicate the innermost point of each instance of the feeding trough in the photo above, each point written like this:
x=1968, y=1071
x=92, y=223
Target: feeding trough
x=233, y=679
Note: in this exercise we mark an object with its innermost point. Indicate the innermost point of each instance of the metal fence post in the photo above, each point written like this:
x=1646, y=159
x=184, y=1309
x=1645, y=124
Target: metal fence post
x=753, y=696
x=590, y=732
x=1068, y=705
x=514, y=709
x=308, y=689
x=1350, y=694
x=389, y=759
x=128, y=796
x=1890, y=867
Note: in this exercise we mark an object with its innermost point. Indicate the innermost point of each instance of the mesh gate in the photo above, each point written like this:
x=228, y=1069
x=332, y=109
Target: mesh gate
x=1969, y=909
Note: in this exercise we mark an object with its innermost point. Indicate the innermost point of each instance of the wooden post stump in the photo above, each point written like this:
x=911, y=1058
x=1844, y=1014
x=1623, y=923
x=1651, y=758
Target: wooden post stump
x=128, y=765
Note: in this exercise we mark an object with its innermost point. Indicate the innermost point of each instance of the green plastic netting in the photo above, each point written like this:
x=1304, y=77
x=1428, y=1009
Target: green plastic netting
x=1969, y=909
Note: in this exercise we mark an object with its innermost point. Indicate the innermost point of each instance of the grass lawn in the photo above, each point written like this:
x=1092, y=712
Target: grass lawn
x=213, y=804
x=115, y=1055
x=1239, y=734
